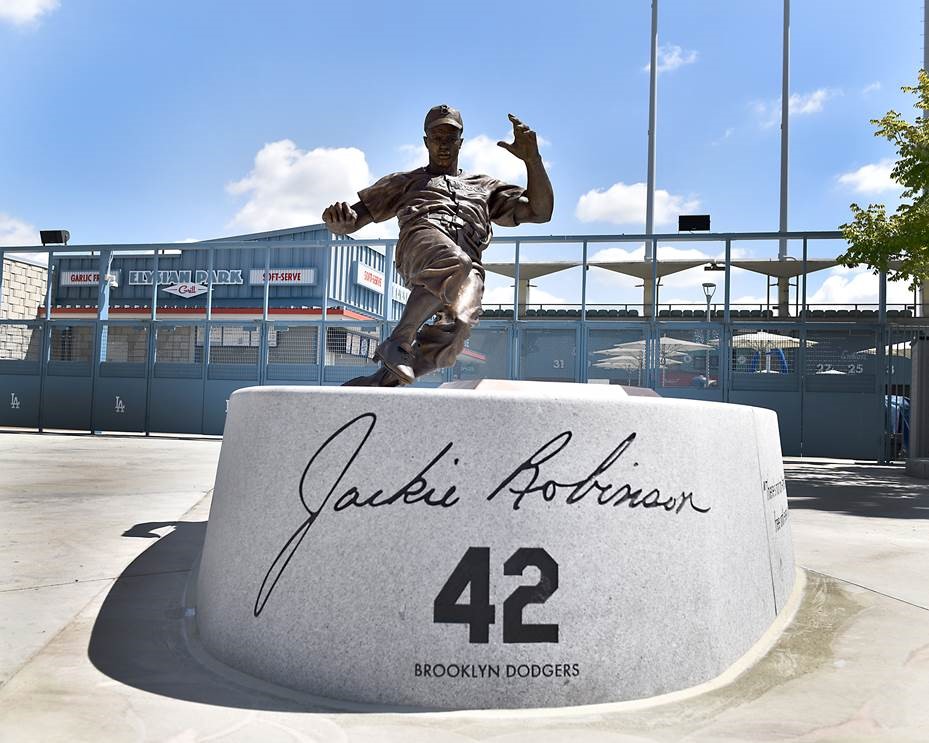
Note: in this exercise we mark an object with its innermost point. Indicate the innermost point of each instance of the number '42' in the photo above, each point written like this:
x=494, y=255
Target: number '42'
x=478, y=613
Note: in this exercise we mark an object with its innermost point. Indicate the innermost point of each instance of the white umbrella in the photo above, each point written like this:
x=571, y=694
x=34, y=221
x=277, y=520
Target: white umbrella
x=895, y=349
x=667, y=343
x=762, y=340
x=629, y=362
x=619, y=362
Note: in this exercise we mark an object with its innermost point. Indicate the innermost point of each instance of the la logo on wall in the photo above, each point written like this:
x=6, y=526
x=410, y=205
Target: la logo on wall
x=186, y=289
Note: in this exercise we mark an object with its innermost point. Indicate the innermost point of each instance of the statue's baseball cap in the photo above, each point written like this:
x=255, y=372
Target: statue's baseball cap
x=443, y=114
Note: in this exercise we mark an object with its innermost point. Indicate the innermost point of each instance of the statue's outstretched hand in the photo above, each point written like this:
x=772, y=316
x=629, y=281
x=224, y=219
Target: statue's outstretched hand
x=524, y=144
x=340, y=218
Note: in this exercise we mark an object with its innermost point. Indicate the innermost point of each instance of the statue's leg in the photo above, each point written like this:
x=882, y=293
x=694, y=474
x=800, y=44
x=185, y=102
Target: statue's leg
x=383, y=377
x=438, y=345
x=396, y=353
x=436, y=284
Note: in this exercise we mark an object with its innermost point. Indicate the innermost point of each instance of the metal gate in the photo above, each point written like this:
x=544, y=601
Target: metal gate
x=121, y=380
x=175, y=399
x=67, y=384
x=902, y=344
x=21, y=346
x=842, y=401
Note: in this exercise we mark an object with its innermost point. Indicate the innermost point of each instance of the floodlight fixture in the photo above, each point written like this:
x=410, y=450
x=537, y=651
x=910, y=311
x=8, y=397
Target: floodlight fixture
x=693, y=223
x=713, y=266
x=54, y=237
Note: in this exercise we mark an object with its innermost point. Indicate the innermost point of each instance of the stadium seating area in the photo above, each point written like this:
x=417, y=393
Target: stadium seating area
x=736, y=314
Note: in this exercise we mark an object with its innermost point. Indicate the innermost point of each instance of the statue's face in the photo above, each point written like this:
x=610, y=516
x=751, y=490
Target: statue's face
x=443, y=142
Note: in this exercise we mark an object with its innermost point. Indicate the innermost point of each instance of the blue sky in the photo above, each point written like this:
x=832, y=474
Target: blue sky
x=129, y=121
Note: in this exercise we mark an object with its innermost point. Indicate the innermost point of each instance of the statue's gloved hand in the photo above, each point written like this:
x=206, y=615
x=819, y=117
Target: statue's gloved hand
x=340, y=218
x=525, y=145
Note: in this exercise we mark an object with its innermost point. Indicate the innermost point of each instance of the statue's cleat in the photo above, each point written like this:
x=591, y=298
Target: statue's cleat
x=383, y=377
x=398, y=357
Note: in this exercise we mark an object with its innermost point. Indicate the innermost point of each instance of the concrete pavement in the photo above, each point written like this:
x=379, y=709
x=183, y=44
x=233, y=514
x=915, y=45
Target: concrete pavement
x=99, y=536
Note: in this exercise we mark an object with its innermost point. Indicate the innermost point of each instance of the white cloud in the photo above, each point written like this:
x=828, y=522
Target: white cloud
x=873, y=178
x=15, y=232
x=691, y=280
x=725, y=135
x=844, y=286
x=414, y=156
x=504, y=295
x=871, y=87
x=479, y=154
x=22, y=12
x=671, y=56
x=625, y=204
x=809, y=103
x=799, y=104
x=290, y=187
x=759, y=302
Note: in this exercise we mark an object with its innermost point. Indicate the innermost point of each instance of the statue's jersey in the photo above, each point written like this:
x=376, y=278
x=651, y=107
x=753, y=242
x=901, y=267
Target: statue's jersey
x=462, y=207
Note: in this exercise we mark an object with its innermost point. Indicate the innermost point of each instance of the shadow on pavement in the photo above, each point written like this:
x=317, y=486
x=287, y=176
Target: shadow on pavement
x=857, y=489
x=138, y=638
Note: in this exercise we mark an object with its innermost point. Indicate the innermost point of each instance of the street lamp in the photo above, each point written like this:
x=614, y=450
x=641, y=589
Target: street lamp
x=708, y=289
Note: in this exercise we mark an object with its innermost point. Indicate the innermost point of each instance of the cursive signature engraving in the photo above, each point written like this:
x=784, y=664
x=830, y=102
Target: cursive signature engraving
x=417, y=490
x=526, y=479
x=528, y=474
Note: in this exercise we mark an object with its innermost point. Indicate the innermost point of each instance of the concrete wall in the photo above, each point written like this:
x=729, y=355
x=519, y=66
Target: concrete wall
x=23, y=289
x=21, y=294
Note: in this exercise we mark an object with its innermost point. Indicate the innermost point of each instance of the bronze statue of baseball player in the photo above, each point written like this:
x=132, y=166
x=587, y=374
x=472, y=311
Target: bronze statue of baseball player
x=445, y=224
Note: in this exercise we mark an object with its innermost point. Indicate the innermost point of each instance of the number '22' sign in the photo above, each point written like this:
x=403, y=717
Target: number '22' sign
x=474, y=570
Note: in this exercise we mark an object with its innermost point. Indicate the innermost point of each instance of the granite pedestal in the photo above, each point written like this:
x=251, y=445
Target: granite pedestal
x=512, y=545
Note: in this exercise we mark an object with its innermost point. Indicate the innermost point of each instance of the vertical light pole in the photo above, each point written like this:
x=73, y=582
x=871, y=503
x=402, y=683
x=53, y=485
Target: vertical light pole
x=650, y=288
x=709, y=288
x=783, y=284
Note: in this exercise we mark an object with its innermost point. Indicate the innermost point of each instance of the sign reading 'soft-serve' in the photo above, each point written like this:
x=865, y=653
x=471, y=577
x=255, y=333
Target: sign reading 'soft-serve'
x=371, y=278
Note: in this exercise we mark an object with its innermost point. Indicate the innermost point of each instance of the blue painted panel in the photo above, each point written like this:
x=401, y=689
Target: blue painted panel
x=176, y=406
x=66, y=402
x=119, y=404
x=292, y=373
x=548, y=354
x=787, y=407
x=761, y=382
x=121, y=369
x=339, y=373
x=247, y=372
x=848, y=425
x=714, y=394
x=19, y=398
x=486, y=355
x=178, y=371
x=69, y=368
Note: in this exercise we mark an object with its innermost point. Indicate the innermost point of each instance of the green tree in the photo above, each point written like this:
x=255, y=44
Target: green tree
x=876, y=238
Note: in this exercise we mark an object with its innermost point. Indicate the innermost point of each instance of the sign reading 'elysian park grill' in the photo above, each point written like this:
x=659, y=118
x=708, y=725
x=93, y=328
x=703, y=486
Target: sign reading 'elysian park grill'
x=220, y=276
x=305, y=276
x=532, y=549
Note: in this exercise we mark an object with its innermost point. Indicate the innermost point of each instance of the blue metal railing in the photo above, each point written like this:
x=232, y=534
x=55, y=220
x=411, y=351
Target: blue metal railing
x=162, y=373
